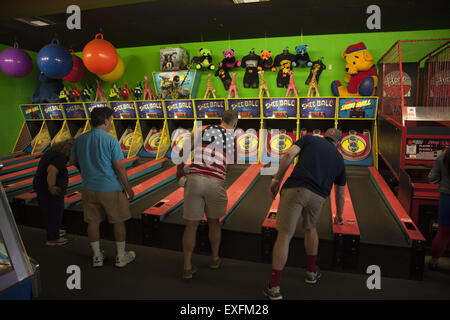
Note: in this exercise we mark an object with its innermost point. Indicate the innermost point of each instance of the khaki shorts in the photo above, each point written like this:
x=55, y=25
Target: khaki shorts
x=295, y=202
x=97, y=205
x=204, y=194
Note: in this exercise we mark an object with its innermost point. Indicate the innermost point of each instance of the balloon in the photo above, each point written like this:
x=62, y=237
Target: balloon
x=15, y=62
x=100, y=56
x=78, y=70
x=54, y=60
x=116, y=74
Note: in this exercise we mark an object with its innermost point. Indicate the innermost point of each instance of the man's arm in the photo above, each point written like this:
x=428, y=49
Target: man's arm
x=180, y=167
x=435, y=174
x=289, y=156
x=52, y=172
x=339, y=192
x=122, y=175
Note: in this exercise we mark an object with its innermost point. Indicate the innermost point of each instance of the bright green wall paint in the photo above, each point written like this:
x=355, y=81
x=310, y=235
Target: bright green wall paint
x=14, y=91
x=140, y=61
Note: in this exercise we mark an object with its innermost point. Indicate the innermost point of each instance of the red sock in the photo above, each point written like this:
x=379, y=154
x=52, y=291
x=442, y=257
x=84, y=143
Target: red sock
x=275, y=278
x=311, y=263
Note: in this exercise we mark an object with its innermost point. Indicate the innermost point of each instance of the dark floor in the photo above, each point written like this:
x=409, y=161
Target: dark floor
x=156, y=274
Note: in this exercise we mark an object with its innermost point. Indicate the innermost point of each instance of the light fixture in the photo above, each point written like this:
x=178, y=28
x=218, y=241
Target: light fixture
x=36, y=21
x=248, y=1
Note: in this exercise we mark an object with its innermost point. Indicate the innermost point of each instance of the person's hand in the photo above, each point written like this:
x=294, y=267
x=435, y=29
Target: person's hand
x=180, y=173
x=130, y=193
x=274, y=188
x=338, y=219
x=54, y=190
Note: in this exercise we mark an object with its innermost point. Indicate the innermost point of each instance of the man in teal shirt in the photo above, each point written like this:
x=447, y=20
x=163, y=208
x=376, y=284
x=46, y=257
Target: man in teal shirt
x=99, y=158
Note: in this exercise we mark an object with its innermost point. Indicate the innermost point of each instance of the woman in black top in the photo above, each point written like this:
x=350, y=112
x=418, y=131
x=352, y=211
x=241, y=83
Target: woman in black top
x=50, y=184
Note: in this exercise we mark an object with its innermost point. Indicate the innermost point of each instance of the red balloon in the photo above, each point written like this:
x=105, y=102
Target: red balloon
x=100, y=56
x=78, y=70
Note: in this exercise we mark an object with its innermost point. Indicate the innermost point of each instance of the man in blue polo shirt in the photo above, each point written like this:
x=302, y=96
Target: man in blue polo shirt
x=105, y=182
x=319, y=166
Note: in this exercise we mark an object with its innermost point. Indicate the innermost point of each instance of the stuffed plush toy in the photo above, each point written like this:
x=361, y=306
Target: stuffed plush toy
x=223, y=74
x=204, y=60
x=48, y=90
x=361, y=73
x=114, y=92
x=250, y=64
x=318, y=67
x=266, y=61
x=75, y=94
x=285, y=61
x=229, y=60
x=125, y=92
x=302, y=57
x=87, y=93
x=64, y=95
x=138, y=90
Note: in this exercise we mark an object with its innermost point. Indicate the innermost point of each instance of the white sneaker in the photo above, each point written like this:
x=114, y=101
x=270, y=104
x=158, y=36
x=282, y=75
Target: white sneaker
x=128, y=257
x=98, y=261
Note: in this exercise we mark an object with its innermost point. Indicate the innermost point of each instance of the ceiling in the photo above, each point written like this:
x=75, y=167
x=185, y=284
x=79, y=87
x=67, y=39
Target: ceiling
x=130, y=23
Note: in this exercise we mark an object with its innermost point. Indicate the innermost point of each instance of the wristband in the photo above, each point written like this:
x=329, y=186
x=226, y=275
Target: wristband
x=275, y=180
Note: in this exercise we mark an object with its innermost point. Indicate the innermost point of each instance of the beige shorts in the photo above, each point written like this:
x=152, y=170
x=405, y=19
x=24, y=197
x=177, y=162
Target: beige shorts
x=295, y=202
x=97, y=205
x=204, y=194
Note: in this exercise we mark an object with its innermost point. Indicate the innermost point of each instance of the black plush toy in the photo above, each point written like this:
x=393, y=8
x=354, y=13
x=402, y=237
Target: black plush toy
x=318, y=66
x=250, y=63
x=285, y=61
x=223, y=74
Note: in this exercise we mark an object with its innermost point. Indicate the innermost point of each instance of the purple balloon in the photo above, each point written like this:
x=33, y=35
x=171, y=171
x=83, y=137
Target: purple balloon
x=15, y=62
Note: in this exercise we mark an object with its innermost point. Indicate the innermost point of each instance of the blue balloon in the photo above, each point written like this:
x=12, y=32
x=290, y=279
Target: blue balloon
x=54, y=60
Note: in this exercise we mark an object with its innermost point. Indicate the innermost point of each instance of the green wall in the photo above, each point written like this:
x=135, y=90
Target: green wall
x=14, y=91
x=141, y=61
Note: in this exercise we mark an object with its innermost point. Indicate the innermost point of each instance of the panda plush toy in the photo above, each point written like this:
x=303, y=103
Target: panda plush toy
x=229, y=60
x=204, y=60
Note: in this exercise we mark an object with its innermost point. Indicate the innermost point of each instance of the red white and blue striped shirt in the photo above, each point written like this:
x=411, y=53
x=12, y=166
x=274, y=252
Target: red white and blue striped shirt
x=214, y=153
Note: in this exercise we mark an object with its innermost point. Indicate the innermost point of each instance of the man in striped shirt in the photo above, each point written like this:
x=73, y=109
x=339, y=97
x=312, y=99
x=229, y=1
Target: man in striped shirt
x=204, y=191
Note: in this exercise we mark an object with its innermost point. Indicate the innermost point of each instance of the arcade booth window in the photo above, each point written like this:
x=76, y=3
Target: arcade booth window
x=414, y=119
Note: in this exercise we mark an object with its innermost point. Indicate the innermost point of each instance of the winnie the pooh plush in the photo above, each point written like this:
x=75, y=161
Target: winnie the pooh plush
x=361, y=73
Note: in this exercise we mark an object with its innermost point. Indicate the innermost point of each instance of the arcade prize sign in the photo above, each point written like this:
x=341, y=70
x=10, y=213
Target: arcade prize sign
x=150, y=109
x=280, y=107
x=179, y=109
x=123, y=110
x=31, y=112
x=209, y=108
x=357, y=107
x=245, y=108
x=317, y=107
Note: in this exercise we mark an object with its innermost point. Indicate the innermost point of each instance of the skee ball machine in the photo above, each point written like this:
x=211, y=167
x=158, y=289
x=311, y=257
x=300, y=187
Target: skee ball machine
x=356, y=119
x=55, y=122
x=414, y=122
x=247, y=133
x=153, y=125
x=281, y=124
x=89, y=106
x=127, y=127
x=34, y=136
x=76, y=118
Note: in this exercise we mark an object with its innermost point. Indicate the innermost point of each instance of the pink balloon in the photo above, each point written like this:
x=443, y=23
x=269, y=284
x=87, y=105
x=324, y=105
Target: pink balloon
x=78, y=70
